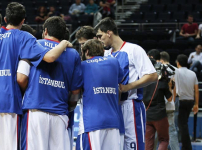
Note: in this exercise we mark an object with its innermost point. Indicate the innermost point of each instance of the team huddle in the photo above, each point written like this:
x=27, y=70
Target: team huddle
x=42, y=81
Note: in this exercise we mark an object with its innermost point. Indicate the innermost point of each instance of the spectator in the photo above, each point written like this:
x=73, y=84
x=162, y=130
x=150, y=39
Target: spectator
x=195, y=60
x=189, y=30
x=170, y=106
x=27, y=28
x=91, y=8
x=186, y=87
x=199, y=34
x=108, y=8
x=53, y=12
x=42, y=15
x=77, y=8
x=156, y=114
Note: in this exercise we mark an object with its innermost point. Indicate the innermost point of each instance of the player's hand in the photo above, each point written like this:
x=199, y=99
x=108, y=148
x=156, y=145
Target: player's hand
x=197, y=37
x=195, y=109
x=69, y=44
x=66, y=43
x=192, y=56
x=124, y=88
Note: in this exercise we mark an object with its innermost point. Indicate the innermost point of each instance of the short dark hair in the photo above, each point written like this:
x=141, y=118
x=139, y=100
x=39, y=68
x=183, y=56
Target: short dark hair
x=56, y=27
x=154, y=53
x=107, y=24
x=0, y=19
x=67, y=34
x=94, y=47
x=86, y=32
x=165, y=56
x=182, y=60
x=28, y=28
x=15, y=13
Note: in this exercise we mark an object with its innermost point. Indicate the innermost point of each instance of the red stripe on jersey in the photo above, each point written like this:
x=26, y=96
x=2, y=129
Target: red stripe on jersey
x=6, y=28
x=89, y=141
x=27, y=130
x=52, y=40
x=135, y=125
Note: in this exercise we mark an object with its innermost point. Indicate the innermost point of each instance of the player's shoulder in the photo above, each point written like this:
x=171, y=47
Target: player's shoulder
x=72, y=51
x=133, y=49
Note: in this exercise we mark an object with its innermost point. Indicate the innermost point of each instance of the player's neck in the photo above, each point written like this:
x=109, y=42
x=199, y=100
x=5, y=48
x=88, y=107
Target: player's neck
x=52, y=38
x=117, y=43
x=13, y=27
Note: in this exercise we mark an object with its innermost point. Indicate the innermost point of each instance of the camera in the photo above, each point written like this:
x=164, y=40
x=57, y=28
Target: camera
x=165, y=72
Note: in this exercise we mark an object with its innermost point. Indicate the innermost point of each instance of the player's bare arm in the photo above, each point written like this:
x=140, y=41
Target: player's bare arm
x=73, y=99
x=195, y=108
x=142, y=82
x=22, y=81
x=54, y=53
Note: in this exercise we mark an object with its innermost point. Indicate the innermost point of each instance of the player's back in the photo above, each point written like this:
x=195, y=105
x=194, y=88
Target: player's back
x=101, y=76
x=14, y=45
x=50, y=84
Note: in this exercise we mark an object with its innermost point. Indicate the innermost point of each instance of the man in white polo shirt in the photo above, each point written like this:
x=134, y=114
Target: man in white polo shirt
x=195, y=60
x=187, y=88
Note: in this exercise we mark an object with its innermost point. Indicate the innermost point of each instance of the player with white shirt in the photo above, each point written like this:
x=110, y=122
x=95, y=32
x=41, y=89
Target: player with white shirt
x=99, y=122
x=138, y=72
x=16, y=45
x=52, y=91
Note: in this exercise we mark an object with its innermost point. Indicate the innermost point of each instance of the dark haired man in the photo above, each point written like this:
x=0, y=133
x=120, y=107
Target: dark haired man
x=16, y=45
x=170, y=106
x=85, y=33
x=187, y=88
x=189, y=30
x=155, y=54
x=52, y=90
x=138, y=72
x=99, y=122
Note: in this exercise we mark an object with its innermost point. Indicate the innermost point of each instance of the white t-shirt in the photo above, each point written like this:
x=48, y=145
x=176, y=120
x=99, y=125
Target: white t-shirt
x=195, y=58
x=23, y=67
x=185, y=80
x=200, y=28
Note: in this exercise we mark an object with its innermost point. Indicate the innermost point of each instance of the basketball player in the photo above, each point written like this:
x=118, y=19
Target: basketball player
x=52, y=90
x=99, y=122
x=138, y=69
x=86, y=33
x=16, y=45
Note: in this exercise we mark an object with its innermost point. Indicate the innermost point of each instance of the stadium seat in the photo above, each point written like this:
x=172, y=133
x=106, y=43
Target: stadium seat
x=136, y=17
x=145, y=8
x=195, y=43
x=158, y=8
x=166, y=1
x=149, y=44
x=156, y=35
x=165, y=44
x=198, y=7
x=149, y=17
x=153, y=1
x=193, y=1
x=163, y=17
x=186, y=7
x=179, y=16
x=181, y=45
x=173, y=54
x=172, y=8
x=140, y=36
x=180, y=1
x=188, y=51
x=126, y=35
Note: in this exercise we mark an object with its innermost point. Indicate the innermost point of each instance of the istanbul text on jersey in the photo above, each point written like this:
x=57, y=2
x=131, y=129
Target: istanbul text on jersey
x=50, y=82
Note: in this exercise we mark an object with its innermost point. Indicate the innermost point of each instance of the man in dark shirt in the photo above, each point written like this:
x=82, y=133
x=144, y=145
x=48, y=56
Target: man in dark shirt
x=156, y=114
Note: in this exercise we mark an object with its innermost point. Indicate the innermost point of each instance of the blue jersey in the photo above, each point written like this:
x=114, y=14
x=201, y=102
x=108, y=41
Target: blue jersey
x=15, y=45
x=100, y=108
x=50, y=83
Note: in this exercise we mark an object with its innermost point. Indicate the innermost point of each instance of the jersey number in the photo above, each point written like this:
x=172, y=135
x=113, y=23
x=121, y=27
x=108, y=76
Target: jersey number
x=133, y=145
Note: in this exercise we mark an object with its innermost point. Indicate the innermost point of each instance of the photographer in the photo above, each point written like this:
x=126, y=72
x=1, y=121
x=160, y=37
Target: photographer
x=170, y=106
x=153, y=97
x=186, y=87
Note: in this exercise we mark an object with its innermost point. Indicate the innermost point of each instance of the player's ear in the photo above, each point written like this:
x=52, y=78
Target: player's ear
x=108, y=33
x=5, y=19
x=45, y=31
x=22, y=22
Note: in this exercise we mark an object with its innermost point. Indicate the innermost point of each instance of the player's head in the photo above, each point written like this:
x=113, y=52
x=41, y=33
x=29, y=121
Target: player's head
x=182, y=60
x=198, y=49
x=155, y=54
x=52, y=9
x=0, y=20
x=66, y=35
x=28, y=28
x=165, y=57
x=92, y=48
x=85, y=33
x=55, y=27
x=78, y=2
x=105, y=30
x=190, y=19
x=15, y=14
